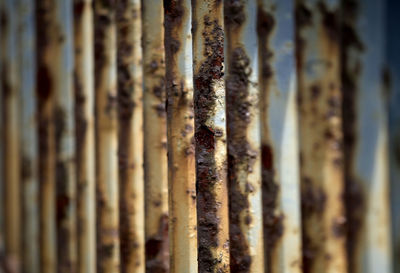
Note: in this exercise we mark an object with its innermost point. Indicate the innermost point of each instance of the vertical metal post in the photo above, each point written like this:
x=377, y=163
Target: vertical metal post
x=11, y=100
x=130, y=150
x=244, y=137
x=64, y=126
x=366, y=136
x=321, y=156
x=45, y=96
x=210, y=136
x=280, y=164
x=85, y=140
x=393, y=60
x=29, y=139
x=155, y=137
x=180, y=118
x=108, y=255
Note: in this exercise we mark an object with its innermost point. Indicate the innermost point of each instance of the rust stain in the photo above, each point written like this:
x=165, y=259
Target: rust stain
x=129, y=135
x=240, y=154
x=272, y=221
x=45, y=94
x=108, y=252
x=321, y=136
x=65, y=234
x=209, y=174
x=155, y=157
x=181, y=161
x=354, y=192
x=157, y=251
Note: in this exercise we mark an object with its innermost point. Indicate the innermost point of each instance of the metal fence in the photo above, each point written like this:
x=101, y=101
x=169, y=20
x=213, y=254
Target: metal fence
x=190, y=136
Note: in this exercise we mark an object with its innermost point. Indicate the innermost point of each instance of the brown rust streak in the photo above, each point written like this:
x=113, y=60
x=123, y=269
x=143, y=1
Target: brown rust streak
x=210, y=176
x=181, y=159
x=84, y=134
x=240, y=154
x=355, y=195
x=155, y=130
x=63, y=200
x=45, y=95
x=157, y=252
x=106, y=125
x=132, y=248
x=321, y=140
x=272, y=221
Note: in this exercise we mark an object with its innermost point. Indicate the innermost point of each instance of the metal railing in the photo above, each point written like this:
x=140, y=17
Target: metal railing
x=193, y=136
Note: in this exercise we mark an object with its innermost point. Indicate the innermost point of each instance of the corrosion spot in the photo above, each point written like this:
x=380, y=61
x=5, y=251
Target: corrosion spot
x=266, y=157
x=339, y=226
x=241, y=156
x=315, y=91
x=234, y=12
x=313, y=198
x=59, y=125
x=205, y=137
x=265, y=26
x=303, y=15
x=44, y=82
x=330, y=20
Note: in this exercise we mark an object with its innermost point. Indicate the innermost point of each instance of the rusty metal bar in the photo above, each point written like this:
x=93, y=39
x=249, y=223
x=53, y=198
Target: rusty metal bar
x=393, y=59
x=62, y=66
x=45, y=97
x=11, y=100
x=321, y=155
x=244, y=143
x=180, y=125
x=279, y=132
x=85, y=139
x=366, y=136
x=108, y=243
x=130, y=145
x=29, y=139
x=210, y=136
x=155, y=140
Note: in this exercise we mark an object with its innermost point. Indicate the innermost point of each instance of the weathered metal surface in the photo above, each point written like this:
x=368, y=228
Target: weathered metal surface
x=244, y=143
x=45, y=96
x=321, y=155
x=393, y=59
x=280, y=164
x=130, y=145
x=210, y=136
x=180, y=120
x=366, y=136
x=155, y=140
x=234, y=173
x=64, y=134
x=108, y=243
x=11, y=100
x=85, y=140
x=29, y=139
